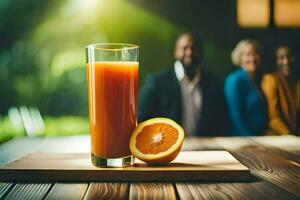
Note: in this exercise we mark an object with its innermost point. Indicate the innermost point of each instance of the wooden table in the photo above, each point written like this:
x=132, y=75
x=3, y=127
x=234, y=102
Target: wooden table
x=273, y=161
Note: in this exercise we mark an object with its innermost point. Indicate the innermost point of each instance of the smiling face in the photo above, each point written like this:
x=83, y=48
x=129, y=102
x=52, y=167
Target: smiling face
x=285, y=60
x=250, y=58
x=186, y=51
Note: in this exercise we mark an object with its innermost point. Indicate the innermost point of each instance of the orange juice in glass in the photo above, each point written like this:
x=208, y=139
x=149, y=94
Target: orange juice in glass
x=112, y=79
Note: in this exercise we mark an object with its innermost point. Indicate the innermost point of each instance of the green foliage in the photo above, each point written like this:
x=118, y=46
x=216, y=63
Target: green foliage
x=8, y=131
x=66, y=125
x=42, y=63
x=54, y=126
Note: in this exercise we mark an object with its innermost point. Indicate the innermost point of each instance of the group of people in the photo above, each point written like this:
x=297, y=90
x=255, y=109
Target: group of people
x=245, y=105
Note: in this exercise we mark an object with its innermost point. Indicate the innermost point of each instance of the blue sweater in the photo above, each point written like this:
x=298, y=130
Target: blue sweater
x=246, y=104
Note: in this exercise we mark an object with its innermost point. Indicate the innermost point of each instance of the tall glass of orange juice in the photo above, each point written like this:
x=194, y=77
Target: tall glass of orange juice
x=112, y=79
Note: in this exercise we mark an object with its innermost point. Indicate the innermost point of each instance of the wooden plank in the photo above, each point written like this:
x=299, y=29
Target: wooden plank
x=17, y=148
x=107, y=191
x=269, y=191
x=69, y=144
x=200, y=144
x=188, y=166
x=286, y=146
x=264, y=163
x=261, y=187
x=159, y=191
x=71, y=191
x=28, y=191
x=289, y=143
x=4, y=188
x=252, y=190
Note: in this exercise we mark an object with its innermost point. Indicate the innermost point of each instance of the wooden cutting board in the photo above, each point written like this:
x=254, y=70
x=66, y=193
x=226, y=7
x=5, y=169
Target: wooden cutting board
x=188, y=166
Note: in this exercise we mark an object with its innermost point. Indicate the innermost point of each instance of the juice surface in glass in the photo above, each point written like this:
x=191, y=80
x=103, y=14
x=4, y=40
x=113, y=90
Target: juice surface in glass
x=112, y=96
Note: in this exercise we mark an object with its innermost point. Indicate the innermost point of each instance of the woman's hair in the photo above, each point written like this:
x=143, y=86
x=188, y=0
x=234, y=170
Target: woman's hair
x=236, y=53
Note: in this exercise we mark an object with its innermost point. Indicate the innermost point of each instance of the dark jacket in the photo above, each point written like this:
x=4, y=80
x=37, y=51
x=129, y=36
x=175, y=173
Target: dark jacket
x=161, y=97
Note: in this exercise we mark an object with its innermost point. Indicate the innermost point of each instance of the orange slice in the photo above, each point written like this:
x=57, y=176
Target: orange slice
x=157, y=141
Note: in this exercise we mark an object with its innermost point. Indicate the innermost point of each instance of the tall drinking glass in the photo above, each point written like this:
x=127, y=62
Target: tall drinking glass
x=112, y=79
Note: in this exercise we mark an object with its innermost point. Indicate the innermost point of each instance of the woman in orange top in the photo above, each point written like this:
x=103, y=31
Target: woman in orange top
x=282, y=91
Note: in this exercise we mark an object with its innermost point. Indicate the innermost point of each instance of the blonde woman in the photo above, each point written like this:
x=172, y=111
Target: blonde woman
x=282, y=91
x=245, y=102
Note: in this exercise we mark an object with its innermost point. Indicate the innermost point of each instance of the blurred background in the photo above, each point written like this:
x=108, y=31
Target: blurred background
x=42, y=58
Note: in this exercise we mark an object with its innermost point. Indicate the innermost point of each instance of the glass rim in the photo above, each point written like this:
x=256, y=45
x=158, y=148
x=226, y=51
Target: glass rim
x=110, y=46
